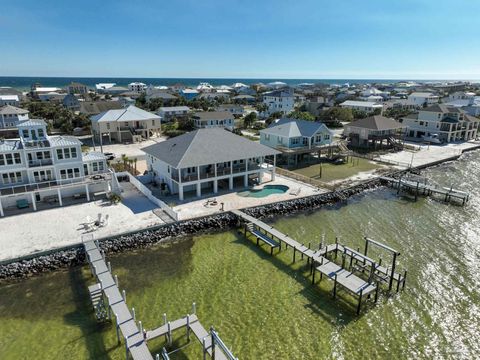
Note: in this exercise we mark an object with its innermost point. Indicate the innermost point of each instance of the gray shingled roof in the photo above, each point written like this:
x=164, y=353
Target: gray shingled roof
x=206, y=146
x=377, y=122
x=213, y=115
x=442, y=108
x=287, y=127
x=9, y=109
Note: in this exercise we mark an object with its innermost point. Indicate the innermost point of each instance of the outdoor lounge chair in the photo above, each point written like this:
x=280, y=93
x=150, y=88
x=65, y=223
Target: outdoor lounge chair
x=22, y=204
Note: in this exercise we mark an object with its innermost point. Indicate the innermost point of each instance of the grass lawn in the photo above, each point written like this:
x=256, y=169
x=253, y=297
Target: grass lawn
x=332, y=172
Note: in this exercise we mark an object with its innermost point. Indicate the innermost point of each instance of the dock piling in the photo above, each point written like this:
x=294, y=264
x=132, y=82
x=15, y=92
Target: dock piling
x=133, y=313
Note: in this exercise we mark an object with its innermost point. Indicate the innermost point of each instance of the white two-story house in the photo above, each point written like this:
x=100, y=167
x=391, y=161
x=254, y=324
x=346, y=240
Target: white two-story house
x=212, y=119
x=168, y=113
x=449, y=123
x=37, y=167
x=279, y=101
x=208, y=160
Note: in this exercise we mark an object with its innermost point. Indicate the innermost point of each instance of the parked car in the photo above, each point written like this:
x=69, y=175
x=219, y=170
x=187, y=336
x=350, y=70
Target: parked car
x=432, y=139
x=110, y=156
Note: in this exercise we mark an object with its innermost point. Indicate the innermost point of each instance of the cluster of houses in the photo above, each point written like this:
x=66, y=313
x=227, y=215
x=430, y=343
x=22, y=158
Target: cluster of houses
x=36, y=167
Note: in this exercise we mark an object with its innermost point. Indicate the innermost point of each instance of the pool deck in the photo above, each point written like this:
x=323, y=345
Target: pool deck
x=232, y=201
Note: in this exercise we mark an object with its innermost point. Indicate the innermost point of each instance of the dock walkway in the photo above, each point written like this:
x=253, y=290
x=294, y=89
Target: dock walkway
x=423, y=188
x=318, y=260
x=134, y=339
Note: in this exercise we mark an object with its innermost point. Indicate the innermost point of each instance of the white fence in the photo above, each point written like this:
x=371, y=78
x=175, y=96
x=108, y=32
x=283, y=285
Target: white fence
x=148, y=193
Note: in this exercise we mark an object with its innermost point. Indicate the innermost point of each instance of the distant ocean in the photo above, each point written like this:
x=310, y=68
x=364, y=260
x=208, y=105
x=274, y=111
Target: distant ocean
x=24, y=83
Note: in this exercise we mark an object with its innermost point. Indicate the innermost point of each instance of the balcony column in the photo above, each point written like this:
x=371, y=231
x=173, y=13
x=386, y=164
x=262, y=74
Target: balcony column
x=59, y=193
x=87, y=192
x=199, y=189
x=274, y=166
x=180, y=192
x=215, y=186
x=230, y=182
x=1, y=209
x=34, y=203
x=198, y=172
x=245, y=180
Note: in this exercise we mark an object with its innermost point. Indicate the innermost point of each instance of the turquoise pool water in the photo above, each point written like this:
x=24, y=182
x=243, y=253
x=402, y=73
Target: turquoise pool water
x=265, y=191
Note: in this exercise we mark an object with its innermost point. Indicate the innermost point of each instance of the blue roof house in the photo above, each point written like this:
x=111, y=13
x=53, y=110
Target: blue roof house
x=292, y=134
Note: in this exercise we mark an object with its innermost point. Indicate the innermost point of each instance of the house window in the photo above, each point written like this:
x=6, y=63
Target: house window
x=327, y=137
x=74, y=152
x=295, y=141
x=9, y=159
x=40, y=133
x=318, y=138
x=25, y=133
x=66, y=153
x=100, y=166
x=153, y=122
x=17, y=159
x=2, y=160
x=95, y=166
x=108, y=126
x=59, y=154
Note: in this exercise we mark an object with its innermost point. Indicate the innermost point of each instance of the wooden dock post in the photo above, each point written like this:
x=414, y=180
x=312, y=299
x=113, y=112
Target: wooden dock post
x=335, y=287
x=376, y=291
x=301, y=253
x=294, y=251
x=141, y=328
x=157, y=357
x=109, y=267
x=392, y=273
x=204, y=344
x=116, y=280
x=336, y=247
x=165, y=323
x=359, y=301
x=124, y=295
x=133, y=313
x=194, y=308
x=126, y=347
x=117, y=327
x=213, y=342
x=169, y=328
x=188, y=327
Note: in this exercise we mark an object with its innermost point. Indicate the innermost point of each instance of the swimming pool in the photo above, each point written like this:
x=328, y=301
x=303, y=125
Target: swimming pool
x=265, y=191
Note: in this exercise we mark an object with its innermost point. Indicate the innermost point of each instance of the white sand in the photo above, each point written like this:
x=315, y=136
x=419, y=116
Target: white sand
x=61, y=226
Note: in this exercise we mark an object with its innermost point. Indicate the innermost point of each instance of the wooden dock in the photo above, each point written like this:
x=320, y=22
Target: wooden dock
x=421, y=187
x=345, y=274
x=135, y=343
x=107, y=300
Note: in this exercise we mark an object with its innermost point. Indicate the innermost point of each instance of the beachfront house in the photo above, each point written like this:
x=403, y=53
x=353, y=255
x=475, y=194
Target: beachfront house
x=125, y=125
x=169, y=113
x=290, y=134
x=208, y=160
x=279, y=101
x=40, y=168
x=364, y=106
x=296, y=139
x=11, y=116
x=375, y=131
x=448, y=123
x=209, y=119
x=422, y=98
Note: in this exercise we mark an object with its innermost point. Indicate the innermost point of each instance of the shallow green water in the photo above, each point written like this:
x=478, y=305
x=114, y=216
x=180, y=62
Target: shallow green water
x=264, y=307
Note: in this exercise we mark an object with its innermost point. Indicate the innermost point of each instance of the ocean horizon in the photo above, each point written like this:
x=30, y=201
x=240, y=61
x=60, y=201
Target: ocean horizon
x=25, y=82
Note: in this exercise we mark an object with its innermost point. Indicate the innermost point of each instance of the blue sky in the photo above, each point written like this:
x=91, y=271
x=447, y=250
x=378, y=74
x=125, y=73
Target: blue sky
x=417, y=39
